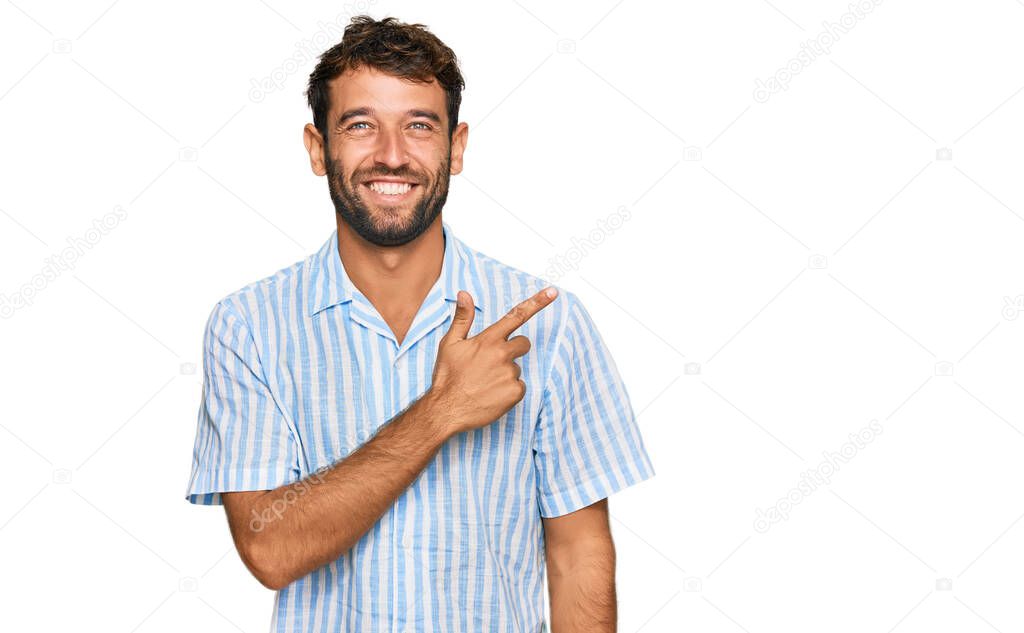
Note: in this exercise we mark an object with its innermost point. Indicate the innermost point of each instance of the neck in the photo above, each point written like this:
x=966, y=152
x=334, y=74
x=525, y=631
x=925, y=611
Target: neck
x=395, y=279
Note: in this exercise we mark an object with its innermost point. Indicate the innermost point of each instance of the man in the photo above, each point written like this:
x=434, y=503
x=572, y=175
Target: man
x=389, y=455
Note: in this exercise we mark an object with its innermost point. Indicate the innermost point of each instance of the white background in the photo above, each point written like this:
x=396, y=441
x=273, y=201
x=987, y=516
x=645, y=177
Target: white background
x=846, y=252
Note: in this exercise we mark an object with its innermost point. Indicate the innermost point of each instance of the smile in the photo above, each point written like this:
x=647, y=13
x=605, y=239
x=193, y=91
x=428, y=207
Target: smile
x=390, y=191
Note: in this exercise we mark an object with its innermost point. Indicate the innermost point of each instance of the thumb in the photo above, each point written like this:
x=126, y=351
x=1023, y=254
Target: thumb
x=463, y=318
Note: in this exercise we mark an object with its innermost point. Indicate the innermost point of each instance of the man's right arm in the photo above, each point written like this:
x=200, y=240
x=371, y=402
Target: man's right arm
x=284, y=534
x=475, y=381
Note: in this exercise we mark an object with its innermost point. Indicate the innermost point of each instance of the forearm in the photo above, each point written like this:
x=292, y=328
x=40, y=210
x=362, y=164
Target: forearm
x=581, y=585
x=300, y=527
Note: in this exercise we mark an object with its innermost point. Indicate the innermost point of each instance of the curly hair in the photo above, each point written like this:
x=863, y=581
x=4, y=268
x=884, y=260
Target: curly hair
x=408, y=51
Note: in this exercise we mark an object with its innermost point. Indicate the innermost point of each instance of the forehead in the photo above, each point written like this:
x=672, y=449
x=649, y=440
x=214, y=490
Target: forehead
x=386, y=94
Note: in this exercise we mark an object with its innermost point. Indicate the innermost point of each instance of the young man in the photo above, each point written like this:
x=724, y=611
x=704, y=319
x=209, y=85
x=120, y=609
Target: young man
x=390, y=456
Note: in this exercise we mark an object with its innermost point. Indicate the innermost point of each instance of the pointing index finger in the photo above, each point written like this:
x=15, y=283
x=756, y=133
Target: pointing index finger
x=521, y=313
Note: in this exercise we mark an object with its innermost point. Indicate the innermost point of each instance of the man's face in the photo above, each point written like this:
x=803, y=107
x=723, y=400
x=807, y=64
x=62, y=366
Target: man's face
x=382, y=128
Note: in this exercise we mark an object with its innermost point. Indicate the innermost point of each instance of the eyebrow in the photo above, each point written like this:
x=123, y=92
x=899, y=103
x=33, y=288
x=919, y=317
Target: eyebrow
x=367, y=111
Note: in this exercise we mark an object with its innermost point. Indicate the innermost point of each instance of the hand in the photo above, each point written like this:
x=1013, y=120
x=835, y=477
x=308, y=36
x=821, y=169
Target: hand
x=476, y=380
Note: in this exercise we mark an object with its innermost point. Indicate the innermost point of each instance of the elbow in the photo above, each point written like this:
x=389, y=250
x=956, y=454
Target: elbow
x=274, y=584
x=272, y=581
x=265, y=565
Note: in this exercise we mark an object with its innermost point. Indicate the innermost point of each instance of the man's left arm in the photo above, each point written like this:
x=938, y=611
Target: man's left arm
x=587, y=446
x=581, y=570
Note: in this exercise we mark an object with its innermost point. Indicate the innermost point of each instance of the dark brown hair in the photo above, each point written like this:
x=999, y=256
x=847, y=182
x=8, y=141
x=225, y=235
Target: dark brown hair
x=408, y=51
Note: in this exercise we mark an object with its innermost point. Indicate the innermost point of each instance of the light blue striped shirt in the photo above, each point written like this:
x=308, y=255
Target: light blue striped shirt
x=300, y=369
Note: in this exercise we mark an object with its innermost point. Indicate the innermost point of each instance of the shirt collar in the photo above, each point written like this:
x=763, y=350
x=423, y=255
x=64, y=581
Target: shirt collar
x=330, y=284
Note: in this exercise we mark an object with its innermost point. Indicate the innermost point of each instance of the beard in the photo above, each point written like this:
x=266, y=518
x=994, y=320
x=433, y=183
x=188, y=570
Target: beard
x=389, y=225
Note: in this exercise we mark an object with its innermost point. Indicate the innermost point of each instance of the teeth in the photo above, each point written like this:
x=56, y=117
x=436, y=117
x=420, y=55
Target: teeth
x=390, y=188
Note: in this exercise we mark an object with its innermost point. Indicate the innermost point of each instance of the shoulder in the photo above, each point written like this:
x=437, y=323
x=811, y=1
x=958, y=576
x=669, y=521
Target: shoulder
x=263, y=299
x=507, y=286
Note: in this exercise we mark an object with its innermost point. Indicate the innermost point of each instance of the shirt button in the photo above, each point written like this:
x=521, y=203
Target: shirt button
x=407, y=541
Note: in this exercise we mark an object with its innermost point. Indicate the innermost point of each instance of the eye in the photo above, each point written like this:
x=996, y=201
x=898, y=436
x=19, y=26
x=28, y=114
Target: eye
x=355, y=124
x=426, y=126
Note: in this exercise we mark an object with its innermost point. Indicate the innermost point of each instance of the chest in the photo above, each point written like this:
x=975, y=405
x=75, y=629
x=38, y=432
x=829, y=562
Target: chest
x=339, y=381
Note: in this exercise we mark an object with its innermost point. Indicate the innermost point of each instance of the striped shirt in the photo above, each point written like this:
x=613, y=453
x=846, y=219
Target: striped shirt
x=299, y=370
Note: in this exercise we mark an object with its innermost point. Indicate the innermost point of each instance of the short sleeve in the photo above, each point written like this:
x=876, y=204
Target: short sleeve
x=243, y=441
x=587, y=443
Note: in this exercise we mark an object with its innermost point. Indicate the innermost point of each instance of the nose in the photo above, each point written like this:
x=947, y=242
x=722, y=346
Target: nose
x=391, y=149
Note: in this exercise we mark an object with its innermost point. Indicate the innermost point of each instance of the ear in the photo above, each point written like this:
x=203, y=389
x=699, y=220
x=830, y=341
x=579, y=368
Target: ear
x=459, y=139
x=315, y=146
